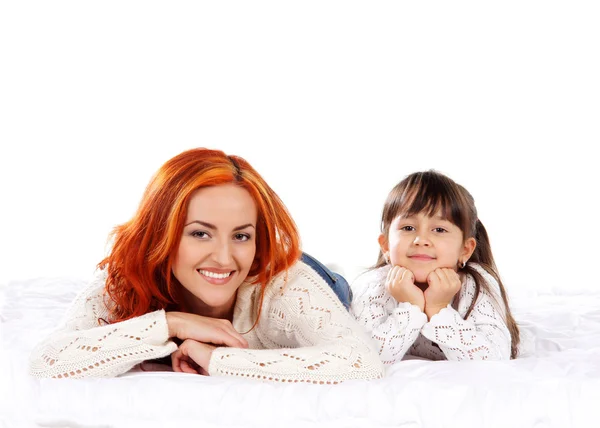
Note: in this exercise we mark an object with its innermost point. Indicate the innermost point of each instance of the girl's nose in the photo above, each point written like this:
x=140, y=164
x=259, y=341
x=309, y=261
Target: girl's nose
x=422, y=239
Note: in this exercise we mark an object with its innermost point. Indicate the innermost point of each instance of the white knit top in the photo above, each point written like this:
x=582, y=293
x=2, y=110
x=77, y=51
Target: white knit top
x=304, y=335
x=402, y=328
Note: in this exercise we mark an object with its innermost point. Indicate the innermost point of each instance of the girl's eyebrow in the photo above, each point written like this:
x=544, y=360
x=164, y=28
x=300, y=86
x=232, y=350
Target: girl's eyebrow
x=442, y=219
x=213, y=227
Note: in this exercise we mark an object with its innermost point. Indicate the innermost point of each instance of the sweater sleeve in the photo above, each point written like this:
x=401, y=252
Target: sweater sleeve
x=482, y=336
x=82, y=347
x=306, y=334
x=393, y=326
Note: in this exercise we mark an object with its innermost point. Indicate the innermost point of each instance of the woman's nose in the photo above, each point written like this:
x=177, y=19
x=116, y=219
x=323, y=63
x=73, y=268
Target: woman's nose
x=222, y=254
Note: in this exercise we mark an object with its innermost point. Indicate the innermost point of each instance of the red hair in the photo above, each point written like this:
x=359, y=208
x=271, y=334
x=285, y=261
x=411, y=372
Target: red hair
x=139, y=265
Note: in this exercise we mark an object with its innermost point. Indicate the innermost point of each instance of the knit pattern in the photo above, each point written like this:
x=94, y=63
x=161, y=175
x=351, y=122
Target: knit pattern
x=87, y=346
x=399, y=328
x=304, y=335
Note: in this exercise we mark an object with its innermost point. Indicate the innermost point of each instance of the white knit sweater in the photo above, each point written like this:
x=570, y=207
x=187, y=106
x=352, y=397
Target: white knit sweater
x=304, y=335
x=402, y=328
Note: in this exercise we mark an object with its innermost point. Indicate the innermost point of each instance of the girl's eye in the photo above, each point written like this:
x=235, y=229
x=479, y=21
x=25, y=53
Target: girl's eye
x=407, y=228
x=440, y=230
x=199, y=234
x=241, y=237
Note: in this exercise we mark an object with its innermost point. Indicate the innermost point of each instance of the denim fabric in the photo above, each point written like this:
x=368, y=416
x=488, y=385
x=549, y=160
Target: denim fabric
x=336, y=281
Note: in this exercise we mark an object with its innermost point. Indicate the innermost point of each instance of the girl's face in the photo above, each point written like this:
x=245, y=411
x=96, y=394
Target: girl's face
x=422, y=244
x=217, y=248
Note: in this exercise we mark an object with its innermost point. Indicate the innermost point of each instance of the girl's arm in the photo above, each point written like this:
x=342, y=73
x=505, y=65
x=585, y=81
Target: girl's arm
x=308, y=334
x=393, y=326
x=482, y=336
x=85, y=346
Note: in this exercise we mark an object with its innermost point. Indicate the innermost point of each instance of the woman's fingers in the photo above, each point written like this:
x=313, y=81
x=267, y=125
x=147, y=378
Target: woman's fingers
x=222, y=335
x=176, y=361
x=204, y=329
x=181, y=362
x=218, y=332
x=187, y=368
x=243, y=343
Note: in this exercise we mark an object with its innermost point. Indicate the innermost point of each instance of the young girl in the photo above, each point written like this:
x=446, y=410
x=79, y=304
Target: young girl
x=209, y=271
x=435, y=291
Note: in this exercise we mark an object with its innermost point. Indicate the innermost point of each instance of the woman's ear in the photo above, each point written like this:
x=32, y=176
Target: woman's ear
x=468, y=249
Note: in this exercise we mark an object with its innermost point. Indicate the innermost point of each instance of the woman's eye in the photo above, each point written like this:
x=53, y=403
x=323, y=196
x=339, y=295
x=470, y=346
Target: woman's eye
x=199, y=234
x=241, y=237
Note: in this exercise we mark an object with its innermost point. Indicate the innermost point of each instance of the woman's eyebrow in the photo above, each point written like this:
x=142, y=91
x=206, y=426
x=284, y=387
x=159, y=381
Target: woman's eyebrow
x=243, y=226
x=213, y=227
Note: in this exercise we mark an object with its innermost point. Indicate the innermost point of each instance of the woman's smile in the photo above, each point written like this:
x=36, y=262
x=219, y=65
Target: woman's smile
x=215, y=277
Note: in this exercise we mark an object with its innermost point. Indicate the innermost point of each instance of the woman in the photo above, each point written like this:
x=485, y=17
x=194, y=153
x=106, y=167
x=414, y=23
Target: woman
x=209, y=271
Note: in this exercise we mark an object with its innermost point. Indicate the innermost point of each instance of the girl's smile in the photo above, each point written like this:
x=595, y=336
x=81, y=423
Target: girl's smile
x=421, y=257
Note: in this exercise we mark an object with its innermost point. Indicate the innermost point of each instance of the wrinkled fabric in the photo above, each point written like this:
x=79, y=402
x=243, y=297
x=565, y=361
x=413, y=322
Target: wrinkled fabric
x=555, y=382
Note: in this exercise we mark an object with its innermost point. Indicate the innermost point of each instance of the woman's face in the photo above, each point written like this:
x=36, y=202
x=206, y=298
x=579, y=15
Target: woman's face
x=217, y=248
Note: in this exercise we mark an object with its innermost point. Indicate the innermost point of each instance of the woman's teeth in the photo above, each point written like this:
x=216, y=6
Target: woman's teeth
x=214, y=275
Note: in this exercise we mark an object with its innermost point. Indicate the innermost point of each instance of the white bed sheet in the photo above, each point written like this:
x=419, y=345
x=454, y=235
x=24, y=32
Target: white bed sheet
x=555, y=383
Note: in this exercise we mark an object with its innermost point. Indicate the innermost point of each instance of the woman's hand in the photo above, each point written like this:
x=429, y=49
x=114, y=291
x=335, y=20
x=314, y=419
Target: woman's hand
x=400, y=283
x=444, y=283
x=204, y=329
x=192, y=357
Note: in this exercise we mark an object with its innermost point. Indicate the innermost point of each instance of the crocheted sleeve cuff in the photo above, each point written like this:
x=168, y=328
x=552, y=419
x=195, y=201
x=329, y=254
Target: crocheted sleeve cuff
x=330, y=364
x=103, y=351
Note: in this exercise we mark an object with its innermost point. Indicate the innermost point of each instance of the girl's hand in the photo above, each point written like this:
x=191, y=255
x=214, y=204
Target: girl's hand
x=444, y=283
x=204, y=329
x=400, y=283
x=192, y=357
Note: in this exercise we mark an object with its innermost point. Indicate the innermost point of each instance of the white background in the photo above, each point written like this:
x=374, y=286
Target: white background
x=332, y=102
